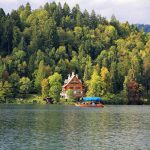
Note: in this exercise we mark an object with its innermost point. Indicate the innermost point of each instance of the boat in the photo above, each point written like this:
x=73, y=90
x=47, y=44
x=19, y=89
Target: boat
x=95, y=102
x=89, y=105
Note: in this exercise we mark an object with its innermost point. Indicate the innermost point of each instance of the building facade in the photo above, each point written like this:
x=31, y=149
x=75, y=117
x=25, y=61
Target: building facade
x=75, y=84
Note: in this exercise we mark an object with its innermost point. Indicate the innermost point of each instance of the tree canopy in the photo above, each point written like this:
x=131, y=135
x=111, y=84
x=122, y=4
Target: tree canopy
x=38, y=48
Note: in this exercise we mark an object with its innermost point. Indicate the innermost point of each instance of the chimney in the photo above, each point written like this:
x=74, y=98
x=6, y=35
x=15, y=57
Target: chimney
x=72, y=73
x=76, y=75
x=68, y=76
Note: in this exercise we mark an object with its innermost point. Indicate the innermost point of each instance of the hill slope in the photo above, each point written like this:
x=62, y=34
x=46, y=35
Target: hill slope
x=36, y=44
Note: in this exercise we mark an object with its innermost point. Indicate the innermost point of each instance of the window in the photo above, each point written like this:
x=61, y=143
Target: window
x=77, y=92
x=77, y=88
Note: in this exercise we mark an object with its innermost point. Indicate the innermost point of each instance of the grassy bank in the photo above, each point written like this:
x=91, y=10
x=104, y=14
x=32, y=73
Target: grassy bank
x=25, y=99
x=110, y=99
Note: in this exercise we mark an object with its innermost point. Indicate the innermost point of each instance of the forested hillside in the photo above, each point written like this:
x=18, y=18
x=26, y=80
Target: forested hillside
x=39, y=48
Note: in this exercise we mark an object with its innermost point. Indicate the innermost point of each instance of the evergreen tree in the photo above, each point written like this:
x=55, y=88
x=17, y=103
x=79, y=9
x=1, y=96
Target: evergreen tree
x=39, y=76
x=55, y=86
x=25, y=85
x=45, y=88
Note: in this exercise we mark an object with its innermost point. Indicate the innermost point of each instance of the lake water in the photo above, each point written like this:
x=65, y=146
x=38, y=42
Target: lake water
x=57, y=127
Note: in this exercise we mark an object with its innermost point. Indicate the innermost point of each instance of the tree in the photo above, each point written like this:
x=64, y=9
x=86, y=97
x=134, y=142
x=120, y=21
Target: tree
x=95, y=85
x=26, y=11
x=37, y=19
x=14, y=80
x=61, y=53
x=22, y=45
x=133, y=92
x=85, y=18
x=5, y=75
x=146, y=67
x=66, y=22
x=16, y=19
x=105, y=79
x=62, y=66
x=1, y=68
x=111, y=32
x=25, y=85
x=39, y=76
x=114, y=77
x=57, y=14
x=74, y=63
x=55, y=86
x=50, y=33
x=45, y=88
x=93, y=20
x=8, y=32
x=88, y=69
x=104, y=73
x=79, y=18
x=5, y=91
x=66, y=9
x=2, y=13
x=136, y=67
x=16, y=36
x=114, y=22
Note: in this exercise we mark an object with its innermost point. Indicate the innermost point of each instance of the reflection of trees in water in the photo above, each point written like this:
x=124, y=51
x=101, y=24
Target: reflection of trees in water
x=68, y=127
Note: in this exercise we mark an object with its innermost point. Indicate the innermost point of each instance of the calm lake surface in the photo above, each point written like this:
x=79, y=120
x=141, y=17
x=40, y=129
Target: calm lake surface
x=57, y=127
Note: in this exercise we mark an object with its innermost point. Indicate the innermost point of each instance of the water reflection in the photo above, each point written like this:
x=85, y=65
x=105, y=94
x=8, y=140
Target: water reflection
x=68, y=127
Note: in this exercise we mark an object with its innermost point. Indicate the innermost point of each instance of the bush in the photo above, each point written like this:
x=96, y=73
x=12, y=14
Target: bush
x=118, y=99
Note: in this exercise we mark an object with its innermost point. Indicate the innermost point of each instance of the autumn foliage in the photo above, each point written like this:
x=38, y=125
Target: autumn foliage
x=133, y=92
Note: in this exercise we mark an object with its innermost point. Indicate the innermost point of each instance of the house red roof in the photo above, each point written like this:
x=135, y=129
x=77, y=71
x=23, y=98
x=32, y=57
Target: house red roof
x=70, y=79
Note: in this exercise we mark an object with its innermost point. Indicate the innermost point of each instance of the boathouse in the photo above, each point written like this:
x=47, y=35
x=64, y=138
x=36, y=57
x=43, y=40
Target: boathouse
x=73, y=83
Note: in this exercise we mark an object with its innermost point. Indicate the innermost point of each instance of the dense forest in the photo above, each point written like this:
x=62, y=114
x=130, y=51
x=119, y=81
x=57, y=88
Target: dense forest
x=38, y=48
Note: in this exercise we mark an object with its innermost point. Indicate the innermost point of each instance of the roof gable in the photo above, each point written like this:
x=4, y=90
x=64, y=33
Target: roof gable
x=73, y=79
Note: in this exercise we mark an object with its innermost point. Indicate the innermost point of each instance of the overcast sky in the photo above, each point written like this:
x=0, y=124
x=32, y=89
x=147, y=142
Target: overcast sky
x=134, y=11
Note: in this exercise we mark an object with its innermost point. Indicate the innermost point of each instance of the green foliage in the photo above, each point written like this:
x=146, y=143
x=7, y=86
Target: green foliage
x=40, y=74
x=70, y=95
x=55, y=86
x=14, y=80
x=88, y=69
x=45, y=88
x=118, y=99
x=95, y=86
x=105, y=54
x=25, y=85
x=5, y=91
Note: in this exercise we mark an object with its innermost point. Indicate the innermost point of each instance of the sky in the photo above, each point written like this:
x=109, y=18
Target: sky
x=133, y=11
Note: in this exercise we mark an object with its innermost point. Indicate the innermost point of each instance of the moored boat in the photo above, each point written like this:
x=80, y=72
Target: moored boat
x=89, y=105
x=91, y=102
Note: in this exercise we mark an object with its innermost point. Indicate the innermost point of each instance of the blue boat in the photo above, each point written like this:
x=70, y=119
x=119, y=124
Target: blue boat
x=92, y=99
